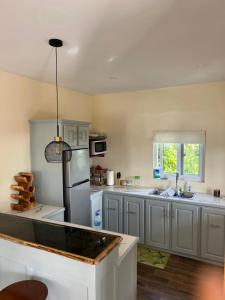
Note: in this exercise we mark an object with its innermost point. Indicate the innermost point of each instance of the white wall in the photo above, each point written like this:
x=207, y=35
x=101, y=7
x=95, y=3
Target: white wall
x=130, y=118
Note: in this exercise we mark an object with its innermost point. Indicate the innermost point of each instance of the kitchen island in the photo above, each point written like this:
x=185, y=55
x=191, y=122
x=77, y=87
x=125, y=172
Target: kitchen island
x=75, y=262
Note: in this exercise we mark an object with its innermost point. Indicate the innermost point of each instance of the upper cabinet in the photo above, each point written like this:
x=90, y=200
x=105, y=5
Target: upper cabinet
x=83, y=135
x=70, y=134
x=76, y=135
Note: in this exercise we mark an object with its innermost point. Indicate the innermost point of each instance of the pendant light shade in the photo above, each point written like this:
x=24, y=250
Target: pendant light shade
x=54, y=150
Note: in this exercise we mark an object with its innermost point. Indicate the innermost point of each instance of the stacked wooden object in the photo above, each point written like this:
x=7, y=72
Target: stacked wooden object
x=25, y=192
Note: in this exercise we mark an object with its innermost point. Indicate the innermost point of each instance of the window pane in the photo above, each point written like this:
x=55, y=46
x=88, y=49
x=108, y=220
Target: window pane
x=169, y=158
x=158, y=155
x=191, y=159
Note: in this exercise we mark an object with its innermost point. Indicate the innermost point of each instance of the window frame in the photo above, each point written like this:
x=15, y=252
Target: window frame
x=180, y=162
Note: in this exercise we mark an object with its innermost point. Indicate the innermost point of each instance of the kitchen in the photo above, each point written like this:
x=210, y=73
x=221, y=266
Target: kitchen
x=129, y=113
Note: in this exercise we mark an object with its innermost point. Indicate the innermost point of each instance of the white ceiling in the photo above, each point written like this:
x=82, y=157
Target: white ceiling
x=115, y=45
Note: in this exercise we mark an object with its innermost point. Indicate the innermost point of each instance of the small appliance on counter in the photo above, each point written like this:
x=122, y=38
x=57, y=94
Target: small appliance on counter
x=97, y=145
x=98, y=175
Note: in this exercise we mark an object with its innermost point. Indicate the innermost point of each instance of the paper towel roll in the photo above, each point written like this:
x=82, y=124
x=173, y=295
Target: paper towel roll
x=110, y=177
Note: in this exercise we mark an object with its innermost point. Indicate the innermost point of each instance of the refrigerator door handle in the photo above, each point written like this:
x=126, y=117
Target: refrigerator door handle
x=80, y=182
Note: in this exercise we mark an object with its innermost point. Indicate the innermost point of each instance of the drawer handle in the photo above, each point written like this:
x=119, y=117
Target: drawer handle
x=111, y=208
x=214, y=226
x=131, y=213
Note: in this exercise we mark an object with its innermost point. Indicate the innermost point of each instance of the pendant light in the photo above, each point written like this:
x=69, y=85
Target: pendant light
x=54, y=150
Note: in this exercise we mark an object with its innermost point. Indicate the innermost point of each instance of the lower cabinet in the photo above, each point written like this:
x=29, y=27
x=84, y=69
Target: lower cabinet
x=113, y=212
x=185, y=228
x=212, y=240
x=157, y=224
x=134, y=211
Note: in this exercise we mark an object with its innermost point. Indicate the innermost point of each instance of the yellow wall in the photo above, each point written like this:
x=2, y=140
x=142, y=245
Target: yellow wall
x=130, y=118
x=22, y=99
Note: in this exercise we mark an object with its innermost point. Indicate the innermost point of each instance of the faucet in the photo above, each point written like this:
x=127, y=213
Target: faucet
x=177, y=178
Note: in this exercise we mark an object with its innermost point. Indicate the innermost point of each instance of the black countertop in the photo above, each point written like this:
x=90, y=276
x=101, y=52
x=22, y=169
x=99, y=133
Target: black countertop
x=86, y=245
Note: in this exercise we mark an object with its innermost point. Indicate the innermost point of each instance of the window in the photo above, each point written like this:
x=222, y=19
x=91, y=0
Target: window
x=186, y=157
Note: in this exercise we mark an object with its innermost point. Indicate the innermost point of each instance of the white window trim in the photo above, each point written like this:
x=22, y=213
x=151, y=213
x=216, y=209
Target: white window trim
x=186, y=177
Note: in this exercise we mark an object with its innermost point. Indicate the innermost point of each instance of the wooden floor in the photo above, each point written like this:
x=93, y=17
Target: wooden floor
x=178, y=281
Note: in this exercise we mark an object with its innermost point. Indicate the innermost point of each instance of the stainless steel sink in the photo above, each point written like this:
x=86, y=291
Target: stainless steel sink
x=184, y=195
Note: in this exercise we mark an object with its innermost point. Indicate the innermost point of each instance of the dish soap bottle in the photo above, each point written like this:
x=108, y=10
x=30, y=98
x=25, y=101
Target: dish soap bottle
x=98, y=220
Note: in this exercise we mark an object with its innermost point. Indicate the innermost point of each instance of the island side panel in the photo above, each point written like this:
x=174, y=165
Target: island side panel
x=106, y=272
x=127, y=276
x=64, y=277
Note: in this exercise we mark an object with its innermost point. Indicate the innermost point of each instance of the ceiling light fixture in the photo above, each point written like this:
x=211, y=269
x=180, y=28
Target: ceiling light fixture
x=54, y=150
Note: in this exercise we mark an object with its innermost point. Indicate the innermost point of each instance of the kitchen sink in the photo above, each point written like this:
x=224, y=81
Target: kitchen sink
x=184, y=195
x=139, y=191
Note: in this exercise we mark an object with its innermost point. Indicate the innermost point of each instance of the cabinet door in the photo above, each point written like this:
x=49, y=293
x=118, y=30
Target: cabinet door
x=83, y=135
x=134, y=217
x=212, y=243
x=70, y=134
x=157, y=223
x=113, y=212
x=185, y=226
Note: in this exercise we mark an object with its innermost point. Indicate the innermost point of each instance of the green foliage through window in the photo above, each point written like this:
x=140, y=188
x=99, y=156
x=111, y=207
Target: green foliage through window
x=191, y=159
x=169, y=158
x=183, y=158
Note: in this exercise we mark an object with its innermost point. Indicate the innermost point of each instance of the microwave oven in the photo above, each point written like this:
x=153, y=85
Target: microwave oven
x=98, y=147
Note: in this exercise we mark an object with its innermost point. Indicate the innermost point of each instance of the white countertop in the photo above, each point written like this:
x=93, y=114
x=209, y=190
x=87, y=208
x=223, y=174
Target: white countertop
x=41, y=211
x=198, y=198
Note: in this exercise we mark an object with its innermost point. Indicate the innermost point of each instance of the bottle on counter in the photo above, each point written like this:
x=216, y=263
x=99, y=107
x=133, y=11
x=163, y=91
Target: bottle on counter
x=118, y=177
x=156, y=173
x=137, y=180
x=98, y=220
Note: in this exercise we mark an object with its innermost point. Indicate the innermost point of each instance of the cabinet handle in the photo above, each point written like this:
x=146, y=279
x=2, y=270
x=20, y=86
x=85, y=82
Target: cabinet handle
x=131, y=212
x=214, y=226
x=111, y=208
x=173, y=214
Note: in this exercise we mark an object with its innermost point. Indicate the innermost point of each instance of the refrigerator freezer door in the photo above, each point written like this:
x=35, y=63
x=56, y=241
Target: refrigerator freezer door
x=78, y=205
x=77, y=170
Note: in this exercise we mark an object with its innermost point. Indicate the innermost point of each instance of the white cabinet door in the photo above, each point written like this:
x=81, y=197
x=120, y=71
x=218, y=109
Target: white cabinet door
x=157, y=224
x=185, y=226
x=113, y=212
x=134, y=209
x=83, y=135
x=70, y=134
x=212, y=239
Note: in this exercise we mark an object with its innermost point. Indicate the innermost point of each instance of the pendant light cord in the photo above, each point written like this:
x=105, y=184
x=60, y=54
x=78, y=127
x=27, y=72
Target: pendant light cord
x=57, y=92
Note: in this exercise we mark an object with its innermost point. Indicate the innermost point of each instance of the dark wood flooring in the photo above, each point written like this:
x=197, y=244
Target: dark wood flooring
x=178, y=281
